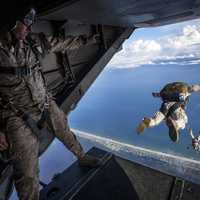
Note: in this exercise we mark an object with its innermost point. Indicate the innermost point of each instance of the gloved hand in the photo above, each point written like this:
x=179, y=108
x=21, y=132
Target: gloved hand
x=144, y=124
x=3, y=142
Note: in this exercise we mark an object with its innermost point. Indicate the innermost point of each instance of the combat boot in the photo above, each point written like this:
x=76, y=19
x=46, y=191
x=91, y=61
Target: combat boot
x=89, y=161
x=173, y=130
x=144, y=124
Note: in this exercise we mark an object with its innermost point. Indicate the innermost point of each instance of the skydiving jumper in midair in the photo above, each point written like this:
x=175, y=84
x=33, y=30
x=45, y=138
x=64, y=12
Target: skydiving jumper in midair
x=175, y=97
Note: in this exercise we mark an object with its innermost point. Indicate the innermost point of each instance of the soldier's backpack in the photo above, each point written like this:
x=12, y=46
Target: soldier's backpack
x=172, y=91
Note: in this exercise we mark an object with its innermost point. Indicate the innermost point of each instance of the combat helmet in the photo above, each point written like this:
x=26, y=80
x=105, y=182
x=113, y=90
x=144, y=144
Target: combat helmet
x=173, y=90
x=29, y=18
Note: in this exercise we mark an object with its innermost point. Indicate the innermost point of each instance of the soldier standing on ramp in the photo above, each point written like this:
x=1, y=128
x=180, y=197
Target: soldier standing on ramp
x=23, y=90
x=175, y=96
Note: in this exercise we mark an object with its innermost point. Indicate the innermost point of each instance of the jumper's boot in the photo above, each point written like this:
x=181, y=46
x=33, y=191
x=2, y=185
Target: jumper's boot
x=144, y=124
x=173, y=129
x=89, y=161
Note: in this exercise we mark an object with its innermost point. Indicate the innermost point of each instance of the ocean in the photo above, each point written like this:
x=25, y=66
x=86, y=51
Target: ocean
x=120, y=98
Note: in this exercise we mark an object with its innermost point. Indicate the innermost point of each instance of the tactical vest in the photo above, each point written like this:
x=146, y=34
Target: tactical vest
x=27, y=90
x=24, y=85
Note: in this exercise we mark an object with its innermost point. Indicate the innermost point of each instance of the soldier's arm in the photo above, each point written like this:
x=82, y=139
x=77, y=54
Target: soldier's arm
x=195, y=88
x=72, y=42
x=69, y=43
x=59, y=44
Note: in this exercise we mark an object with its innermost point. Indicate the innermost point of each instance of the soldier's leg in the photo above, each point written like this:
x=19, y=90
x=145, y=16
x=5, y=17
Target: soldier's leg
x=62, y=131
x=24, y=148
x=180, y=118
x=68, y=138
x=175, y=122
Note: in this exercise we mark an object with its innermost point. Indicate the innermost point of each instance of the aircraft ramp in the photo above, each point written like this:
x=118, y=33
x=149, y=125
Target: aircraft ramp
x=117, y=179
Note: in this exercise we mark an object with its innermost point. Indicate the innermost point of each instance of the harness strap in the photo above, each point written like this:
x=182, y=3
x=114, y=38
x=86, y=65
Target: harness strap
x=168, y=112
x=174, y=107
x=19, y=71
x=173, y=97
x=43, y=119
x=33, y=47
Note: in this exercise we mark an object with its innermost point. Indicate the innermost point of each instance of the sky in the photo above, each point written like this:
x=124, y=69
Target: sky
x=171, y=44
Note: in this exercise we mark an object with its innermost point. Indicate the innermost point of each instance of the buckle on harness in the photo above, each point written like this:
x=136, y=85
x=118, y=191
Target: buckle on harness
x=25, y=71
x=46, y=105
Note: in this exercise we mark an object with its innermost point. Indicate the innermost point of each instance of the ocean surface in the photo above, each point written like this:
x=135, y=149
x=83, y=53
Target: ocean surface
x=113, y=107
x=120, y=98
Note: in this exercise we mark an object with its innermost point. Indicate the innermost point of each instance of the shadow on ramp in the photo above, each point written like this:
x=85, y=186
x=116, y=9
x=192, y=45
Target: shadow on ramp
x=107, y=182
x=117, y=179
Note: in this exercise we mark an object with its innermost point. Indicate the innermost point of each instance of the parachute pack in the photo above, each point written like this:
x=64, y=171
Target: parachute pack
x=173, y=91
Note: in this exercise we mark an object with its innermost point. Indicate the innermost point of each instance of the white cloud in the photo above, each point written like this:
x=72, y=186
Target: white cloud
x=146, y=46
x=190, y=35
x=182, y=48
x=136, y=53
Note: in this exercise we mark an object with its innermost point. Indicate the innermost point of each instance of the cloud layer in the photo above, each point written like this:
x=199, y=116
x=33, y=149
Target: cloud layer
x=181, y=48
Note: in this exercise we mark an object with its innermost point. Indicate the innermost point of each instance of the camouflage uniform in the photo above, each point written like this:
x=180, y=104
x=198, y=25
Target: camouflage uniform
x=29, y=93
x=178, y=115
